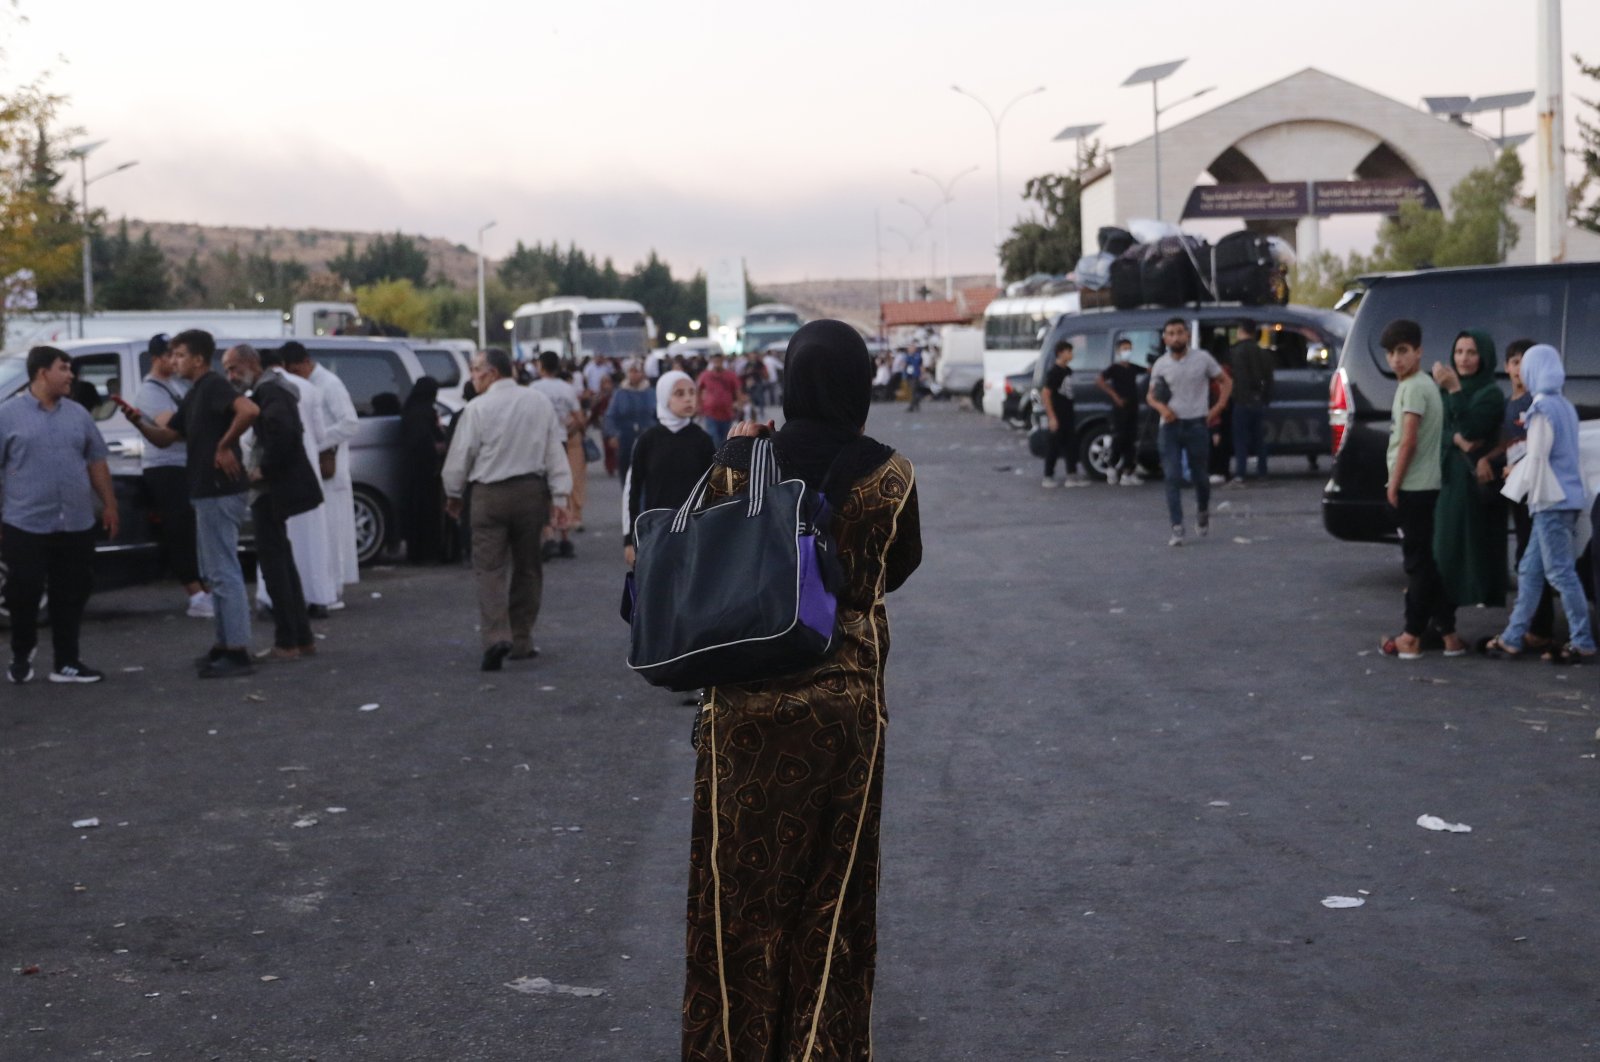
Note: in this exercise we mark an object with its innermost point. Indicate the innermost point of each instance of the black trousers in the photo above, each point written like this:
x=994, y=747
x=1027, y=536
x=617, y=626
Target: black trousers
x=1125, y=437
x=1063, y=442
x=168, y=492
x=62, y=563
x=275, y=559
x=1426, y=599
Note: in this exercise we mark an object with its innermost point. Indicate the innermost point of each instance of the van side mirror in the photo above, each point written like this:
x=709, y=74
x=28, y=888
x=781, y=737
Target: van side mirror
x=1318, y=356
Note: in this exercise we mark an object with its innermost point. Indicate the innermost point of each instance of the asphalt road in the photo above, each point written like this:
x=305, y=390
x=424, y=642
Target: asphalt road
x=1121, y=780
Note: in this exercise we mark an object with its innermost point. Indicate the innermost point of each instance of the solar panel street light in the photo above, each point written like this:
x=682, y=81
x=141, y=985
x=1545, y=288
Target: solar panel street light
x=1153, y=76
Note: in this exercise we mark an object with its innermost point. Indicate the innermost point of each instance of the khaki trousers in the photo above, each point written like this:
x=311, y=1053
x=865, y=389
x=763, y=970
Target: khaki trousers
x=508, y=519
x=580, y=477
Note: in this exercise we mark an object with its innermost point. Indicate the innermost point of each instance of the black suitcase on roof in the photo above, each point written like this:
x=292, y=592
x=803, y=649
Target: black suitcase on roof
x=1167, y=271
x=1114, y=240
x=1127, y=291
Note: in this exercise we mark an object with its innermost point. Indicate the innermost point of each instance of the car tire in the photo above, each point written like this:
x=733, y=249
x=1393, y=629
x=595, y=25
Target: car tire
x=372, y=524
x=1094, y=449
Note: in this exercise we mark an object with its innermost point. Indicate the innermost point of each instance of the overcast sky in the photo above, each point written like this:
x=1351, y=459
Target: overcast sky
x=699, y=129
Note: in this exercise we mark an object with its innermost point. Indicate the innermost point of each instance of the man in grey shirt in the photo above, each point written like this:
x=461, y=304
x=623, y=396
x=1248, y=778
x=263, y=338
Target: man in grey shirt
x=1180, y=391
x=162, y=470
x=52, y=464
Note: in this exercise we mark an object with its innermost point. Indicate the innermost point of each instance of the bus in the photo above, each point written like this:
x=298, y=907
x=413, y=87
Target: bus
x=768, y=323
x=576, y=328
x=1013, y=329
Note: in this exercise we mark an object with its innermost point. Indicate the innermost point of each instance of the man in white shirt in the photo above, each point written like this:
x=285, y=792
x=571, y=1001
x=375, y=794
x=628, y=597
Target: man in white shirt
x=510, y=444
x=569, y=410
x=338, y=429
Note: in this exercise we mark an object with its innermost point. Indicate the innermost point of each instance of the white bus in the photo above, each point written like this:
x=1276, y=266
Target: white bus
x=767, y=323
x=576, y=328
x=1013, y=329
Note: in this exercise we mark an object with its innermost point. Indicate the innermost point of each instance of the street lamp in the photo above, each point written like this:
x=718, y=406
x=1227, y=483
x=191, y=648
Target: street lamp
x=483, y=315
x=927, y=226
x=1154, y=75
x=1078, y=133
x=911, y=245
x=999, y=268
x=81, y=153
x=945, y=199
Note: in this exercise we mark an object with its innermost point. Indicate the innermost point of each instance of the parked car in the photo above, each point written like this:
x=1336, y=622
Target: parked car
x=448, y=361
x=378, y=372
x=1558, y=304
x=1305, y=340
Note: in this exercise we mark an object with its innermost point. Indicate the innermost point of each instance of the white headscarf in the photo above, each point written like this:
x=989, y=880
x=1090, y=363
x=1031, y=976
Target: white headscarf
x=665, y=415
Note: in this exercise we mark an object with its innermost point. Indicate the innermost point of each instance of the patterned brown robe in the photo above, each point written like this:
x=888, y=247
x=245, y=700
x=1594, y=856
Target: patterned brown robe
x=783, y=923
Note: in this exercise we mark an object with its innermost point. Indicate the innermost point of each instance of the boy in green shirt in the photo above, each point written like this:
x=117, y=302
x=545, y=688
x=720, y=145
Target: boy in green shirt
x=1416, y=433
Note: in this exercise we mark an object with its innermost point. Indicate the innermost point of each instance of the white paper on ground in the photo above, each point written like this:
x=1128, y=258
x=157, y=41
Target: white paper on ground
x=85, y=824
x=542, y=986
x=1434, y=822
x=1338, y=902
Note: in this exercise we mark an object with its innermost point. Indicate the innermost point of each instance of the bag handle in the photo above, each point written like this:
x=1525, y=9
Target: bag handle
x=763, y=473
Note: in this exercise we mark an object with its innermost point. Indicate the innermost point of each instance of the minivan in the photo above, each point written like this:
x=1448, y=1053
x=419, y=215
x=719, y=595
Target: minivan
x=1306, y=342
x=1556, y=304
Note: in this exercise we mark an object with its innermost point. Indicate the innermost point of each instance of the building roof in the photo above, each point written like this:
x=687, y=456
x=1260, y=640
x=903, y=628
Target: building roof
x=966, y=307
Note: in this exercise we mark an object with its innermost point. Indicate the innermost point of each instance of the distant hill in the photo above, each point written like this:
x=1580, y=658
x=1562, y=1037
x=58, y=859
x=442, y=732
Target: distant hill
x=855, y=301
x=314, y=248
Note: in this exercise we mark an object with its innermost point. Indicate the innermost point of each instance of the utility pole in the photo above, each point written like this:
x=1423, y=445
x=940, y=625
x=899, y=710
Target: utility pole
x=483, y=322
x=1550, y=197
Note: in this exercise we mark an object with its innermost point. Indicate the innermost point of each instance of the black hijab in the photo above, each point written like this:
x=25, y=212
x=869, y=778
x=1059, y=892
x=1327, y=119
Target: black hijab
x=827, y=394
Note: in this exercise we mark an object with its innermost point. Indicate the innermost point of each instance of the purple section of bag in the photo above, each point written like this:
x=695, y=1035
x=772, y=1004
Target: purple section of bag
x=818, y=608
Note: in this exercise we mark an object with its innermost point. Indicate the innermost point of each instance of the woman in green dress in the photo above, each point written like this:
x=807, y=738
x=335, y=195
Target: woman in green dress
x=1469, y=527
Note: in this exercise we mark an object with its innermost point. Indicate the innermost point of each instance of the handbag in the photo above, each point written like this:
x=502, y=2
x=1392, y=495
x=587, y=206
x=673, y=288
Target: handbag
x=591, y=450
x=741, y=590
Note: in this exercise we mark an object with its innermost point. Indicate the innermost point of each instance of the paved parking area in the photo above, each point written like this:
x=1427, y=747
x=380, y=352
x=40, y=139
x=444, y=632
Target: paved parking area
x=1121, y=781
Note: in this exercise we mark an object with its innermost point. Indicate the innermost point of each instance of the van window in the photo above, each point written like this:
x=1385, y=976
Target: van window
x=1580, y=351
x=1506, y=304
x=96, y=377
x=441, y=365
x=376, y=379
x=1147, y=343
x=1091, y=351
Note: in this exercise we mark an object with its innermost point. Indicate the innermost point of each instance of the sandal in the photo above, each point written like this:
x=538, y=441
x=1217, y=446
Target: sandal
x=1495, y=649
x=1462, y=651
x=1391, y=647
x=1568, y=655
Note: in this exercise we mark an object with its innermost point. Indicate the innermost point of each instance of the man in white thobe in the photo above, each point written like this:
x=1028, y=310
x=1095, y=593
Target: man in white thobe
x=308, y=532
x=339, y=426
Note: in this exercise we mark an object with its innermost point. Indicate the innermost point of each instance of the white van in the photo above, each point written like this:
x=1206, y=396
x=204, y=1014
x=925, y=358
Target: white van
x=1013, y=330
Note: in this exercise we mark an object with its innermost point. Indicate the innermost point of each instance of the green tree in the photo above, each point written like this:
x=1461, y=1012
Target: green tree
x=1477, y=231
x=395, y=303
x=1051, y=242
x=137, y=274
x=386, y=258
x=39, y=230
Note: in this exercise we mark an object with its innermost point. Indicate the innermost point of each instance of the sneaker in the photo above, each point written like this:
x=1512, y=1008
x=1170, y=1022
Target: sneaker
x=1235, y=483
x=1049, y=483
x=527, y=652
x=495, y=655
x=1132, y=479
x=548, y=550
x=21, y=669
x=317, y=612
x=78, y=672
x=566, y=550
x=1076, y=479
x=1203, y=522
x=216, y=652
x=1217, y=481
x=232, y=663
x=201, y=606
x=1112, y=478
x=1177, y=535
x=337, y=606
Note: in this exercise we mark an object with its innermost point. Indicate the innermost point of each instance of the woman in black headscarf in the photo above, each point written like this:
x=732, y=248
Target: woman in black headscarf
x=422, y=499
x=783, y=864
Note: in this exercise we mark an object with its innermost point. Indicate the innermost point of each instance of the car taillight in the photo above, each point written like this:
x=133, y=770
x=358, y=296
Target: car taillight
x=1009, y=389
x=1338, y=409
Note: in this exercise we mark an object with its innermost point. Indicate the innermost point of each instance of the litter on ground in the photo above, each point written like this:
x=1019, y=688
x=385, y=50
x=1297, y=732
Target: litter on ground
x=1434, y=822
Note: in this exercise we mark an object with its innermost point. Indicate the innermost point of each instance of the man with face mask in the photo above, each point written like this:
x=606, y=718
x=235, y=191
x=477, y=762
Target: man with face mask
x=282, y=484
x=1120, y=381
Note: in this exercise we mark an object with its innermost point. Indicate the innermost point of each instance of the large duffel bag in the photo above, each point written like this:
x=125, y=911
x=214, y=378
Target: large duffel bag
x=1168, y=271
x=1242, y=248
x=1127, y=289
x=1114, y=241
x=1094, y=271
x=1094, y=298
x=1254, y=284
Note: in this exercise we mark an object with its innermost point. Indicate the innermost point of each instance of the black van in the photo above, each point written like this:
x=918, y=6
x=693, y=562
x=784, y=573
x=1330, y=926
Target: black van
x=1306, y=340
x=1556, y=304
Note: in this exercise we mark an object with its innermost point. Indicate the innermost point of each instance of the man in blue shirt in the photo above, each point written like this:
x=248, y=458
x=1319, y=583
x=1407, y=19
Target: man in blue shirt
x=52, y=464
x=914, y=377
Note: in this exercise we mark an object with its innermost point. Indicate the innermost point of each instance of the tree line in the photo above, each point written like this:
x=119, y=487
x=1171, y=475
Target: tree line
x=41, y=233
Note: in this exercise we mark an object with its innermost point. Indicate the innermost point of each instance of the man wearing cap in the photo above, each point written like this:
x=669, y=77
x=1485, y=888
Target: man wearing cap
x=166, y=485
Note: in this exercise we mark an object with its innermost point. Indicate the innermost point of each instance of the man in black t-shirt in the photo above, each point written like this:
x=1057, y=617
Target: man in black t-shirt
x=1120, y=381
x=1056, y=396
x=211, y=420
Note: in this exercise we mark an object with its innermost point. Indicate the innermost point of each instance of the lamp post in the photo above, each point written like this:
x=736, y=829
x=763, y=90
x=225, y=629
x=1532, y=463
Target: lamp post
x=81, y=153
x=483, y=317
x=1078, y=133
x=911, y=244
x=1154, y=75
x=927, y=226
x=999, y=268
x=945, y=199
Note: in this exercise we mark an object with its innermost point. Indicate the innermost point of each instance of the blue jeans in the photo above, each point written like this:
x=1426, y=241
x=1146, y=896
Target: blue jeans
x=1549, y=557
x=217, y=522
x=1179, y=439
x=1249, y=437
x=718, y=430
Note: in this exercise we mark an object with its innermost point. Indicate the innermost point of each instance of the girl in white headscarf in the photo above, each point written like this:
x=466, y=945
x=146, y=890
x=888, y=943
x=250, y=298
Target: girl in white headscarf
x=668, y=459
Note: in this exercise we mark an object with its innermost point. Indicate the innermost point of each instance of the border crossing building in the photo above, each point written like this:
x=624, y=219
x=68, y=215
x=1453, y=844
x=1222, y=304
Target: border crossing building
x=1304, y=148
